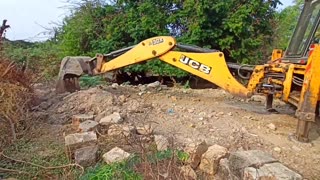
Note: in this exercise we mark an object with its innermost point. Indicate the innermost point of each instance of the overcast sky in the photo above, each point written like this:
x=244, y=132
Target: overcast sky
x=28, y=18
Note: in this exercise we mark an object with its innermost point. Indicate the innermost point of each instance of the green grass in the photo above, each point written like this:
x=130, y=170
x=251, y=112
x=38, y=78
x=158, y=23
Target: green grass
x=162, y=155
x=47, y=154
x=125, y=170
x=121, y=170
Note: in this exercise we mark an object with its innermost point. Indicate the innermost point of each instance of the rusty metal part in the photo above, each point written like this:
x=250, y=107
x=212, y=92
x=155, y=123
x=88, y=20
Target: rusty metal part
x=302, y=131
x=71, y=69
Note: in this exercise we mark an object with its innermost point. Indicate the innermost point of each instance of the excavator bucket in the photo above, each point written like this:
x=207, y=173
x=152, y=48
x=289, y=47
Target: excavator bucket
x=71, y=69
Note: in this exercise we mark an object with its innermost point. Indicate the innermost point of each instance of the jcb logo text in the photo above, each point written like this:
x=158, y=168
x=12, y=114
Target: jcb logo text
x=195, y=64
x=156, y=41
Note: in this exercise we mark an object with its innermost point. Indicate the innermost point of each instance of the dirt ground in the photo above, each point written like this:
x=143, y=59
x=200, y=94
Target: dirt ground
x=187, y=115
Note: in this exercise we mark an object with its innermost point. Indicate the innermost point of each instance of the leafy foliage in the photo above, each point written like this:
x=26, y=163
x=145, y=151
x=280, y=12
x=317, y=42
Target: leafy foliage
x=245, y=31
x=42, y=58
x=238, y=28
x=286, y=21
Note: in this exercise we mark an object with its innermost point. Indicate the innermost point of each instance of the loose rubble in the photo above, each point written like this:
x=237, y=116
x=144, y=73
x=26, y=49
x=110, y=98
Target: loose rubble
x=116, y=114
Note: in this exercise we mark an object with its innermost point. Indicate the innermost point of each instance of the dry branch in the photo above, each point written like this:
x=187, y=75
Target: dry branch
x=15, y=97
x=42, y=167
x=3, y=27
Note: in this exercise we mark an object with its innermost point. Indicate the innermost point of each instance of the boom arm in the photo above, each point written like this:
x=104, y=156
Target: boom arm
x=209, y=65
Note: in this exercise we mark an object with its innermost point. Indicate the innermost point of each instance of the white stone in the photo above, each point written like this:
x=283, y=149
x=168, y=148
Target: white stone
x=114, y=118
x=277, y=149
x=80, y=138
x=115, y=155
x=87, y=125
x=115, y=85
x=154, y=84
x=272, y=126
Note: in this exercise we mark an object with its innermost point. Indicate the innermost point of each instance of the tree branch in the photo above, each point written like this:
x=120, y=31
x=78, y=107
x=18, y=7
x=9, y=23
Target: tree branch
x=3, y=27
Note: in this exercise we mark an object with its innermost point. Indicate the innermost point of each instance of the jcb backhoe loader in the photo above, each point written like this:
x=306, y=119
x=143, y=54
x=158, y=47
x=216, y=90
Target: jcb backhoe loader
x=292, y=76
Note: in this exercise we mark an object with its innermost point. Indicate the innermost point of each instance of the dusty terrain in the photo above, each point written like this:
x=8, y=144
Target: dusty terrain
x=185, y=114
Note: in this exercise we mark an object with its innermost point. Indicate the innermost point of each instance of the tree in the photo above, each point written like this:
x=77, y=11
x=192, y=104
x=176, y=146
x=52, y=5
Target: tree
x=3, y=28
x=241, y=29
x=286, y=21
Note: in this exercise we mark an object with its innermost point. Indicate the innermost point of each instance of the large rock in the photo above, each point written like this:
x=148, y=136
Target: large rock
x=114, y=118
x=273, y=171
x=239, y=160
x=195, y=151
x=211, y=158
x=86, y=156
x=161, y=142
x=115, y=155
x=188, y=172
x=87, y=125
x=80, y=139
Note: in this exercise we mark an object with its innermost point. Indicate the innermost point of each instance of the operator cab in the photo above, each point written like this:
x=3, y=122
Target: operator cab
x=306, y=34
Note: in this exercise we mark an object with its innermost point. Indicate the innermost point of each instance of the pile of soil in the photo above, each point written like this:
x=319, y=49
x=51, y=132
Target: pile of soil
x=98, y=101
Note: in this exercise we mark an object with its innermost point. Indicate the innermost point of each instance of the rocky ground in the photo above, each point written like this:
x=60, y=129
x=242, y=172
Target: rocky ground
x=186, y=115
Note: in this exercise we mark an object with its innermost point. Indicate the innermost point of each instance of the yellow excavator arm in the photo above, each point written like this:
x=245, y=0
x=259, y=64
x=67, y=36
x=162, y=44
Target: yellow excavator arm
x=207, y=65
